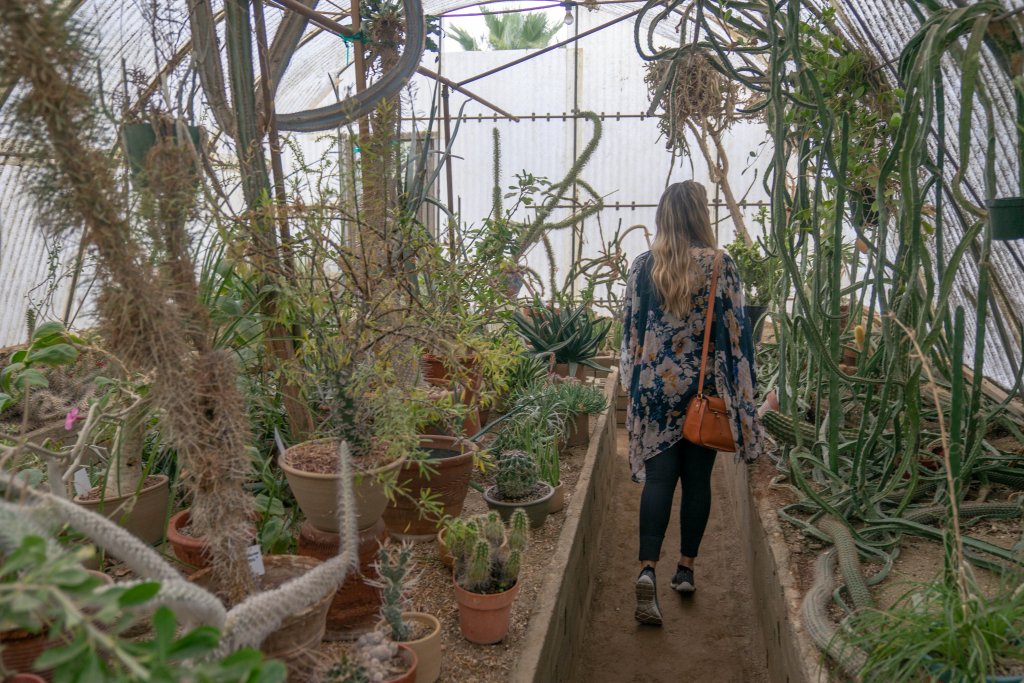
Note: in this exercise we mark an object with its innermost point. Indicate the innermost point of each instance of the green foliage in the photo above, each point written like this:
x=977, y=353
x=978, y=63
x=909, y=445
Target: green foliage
x=759, y=274
x=517, y=475
x=569, y=334
x=932, y=630
x=577, y=398
x=488, y=555
x=512, y=31
x=44, y=588
x=50, y=346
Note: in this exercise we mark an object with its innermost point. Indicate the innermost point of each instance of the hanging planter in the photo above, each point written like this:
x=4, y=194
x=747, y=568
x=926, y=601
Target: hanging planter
x=1006, y=218
x=140, y=138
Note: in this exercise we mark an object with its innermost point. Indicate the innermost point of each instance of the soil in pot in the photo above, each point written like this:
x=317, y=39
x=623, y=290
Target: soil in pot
x=300, y=633
x=354, y=607
x=144, y=516
x=451, y=461
x=535, y=505
x=425, y=641
x=484, y=618
x=312, y=472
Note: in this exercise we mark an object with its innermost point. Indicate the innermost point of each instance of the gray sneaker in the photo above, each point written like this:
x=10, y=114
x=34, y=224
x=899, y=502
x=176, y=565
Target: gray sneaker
x=683, y=581
x=647, y=610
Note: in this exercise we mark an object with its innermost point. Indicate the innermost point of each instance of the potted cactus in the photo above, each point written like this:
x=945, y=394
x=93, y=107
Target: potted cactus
x=374, y=658
x=420, y=631
x=518, y=485
x=487, y=567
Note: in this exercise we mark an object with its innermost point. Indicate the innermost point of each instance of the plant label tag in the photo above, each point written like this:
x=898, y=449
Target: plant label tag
x=82, y=485
x=255, y=556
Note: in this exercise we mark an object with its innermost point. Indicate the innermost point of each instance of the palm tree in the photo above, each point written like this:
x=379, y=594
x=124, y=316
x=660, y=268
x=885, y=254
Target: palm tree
x=513, y=31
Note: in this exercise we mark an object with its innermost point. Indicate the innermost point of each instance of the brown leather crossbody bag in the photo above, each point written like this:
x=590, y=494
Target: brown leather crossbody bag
x=707, y=420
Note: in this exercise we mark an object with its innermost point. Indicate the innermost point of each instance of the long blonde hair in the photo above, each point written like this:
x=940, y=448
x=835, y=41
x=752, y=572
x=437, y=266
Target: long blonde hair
x=683, y=222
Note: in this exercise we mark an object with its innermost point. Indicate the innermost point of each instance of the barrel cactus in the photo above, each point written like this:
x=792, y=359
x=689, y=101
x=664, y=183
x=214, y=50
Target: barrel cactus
x=517, y=476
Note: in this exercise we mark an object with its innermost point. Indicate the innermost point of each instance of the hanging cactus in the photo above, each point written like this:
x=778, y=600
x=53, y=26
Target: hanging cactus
x=517, y=476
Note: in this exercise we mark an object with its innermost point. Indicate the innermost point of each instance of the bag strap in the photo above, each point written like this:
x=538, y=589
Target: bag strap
x=708, y=321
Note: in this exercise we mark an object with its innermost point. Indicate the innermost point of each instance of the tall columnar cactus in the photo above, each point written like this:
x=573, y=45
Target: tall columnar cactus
x=517, y=476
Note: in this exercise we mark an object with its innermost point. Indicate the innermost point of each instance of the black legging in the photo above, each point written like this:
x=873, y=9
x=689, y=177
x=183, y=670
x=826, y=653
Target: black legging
x=692, y=465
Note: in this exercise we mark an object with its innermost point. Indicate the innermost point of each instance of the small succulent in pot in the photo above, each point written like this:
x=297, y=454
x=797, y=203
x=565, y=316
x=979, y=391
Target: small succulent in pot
x=374, y=658
x=517, y=476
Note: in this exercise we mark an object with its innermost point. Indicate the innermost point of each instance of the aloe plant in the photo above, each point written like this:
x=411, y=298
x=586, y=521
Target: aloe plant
x=569, y=334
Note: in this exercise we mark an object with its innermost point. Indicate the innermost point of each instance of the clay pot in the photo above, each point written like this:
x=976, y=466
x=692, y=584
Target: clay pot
x=536, y=510
x=146, y=519
x=19, y=649
x=317, y=493
x=579, y=431
x=354, y=607
x=427, y=648
x=557, y=502
x=447, y=559
x=410, y=675
x=452, y=463
x=25, y=678
x=483, y=618
x=189, y=550
x=300, y=633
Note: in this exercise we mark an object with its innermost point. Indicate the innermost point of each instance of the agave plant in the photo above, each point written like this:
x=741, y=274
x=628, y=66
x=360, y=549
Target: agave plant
x=570, y=334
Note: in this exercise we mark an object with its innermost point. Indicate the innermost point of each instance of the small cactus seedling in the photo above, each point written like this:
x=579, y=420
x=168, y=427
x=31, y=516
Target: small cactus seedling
x=517, y=476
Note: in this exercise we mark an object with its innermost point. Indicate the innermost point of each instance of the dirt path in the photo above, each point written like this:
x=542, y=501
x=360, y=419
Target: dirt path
x=707, y=637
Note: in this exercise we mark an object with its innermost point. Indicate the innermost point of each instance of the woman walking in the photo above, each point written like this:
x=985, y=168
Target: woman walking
x=665, y=317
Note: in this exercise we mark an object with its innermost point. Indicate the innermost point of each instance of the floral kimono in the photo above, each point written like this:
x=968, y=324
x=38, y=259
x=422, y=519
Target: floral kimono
x=660, y=363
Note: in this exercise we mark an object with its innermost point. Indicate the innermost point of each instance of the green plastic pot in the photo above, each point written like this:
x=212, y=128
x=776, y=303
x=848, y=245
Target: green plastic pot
x=139, y=138
x=1006, y=218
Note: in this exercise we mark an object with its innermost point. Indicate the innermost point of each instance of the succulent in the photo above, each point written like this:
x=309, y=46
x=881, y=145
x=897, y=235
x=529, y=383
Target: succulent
x=369, y=663
x=393, y=566
x=489, y=562
x=518, y=474
x=571, y=333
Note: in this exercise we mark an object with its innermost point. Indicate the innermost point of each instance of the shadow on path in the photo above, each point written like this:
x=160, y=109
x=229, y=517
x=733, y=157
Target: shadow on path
x=708, y=636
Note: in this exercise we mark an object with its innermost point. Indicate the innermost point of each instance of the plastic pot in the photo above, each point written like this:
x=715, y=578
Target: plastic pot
x=140, y=138
x=484, y=618
x=1006, y=218
x=536, y=510
x=427, y=648
x=146, y=518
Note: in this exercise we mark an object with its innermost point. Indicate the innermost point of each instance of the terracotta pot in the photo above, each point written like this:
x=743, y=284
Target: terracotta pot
x=447, y=559
x=317, y=493
x=146, y=519
x=189, y=549
x=354, y=606
x=300, y=633
x=557, y=502
x=579, y=431
x=536, y=510
x=410, y=675
x=19, y=649
x=25, y=678
x=452, y=463
x=483, y=618
x=427, y=648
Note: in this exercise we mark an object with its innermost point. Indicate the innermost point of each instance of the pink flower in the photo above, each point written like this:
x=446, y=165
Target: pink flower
x=71, y=418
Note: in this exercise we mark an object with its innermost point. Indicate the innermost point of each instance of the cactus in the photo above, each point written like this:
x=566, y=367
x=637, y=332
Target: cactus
x=478, y=572
x=394, y=565
x=518, y=526
x=370, y=661
x=517, y=475
x=489, y=561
